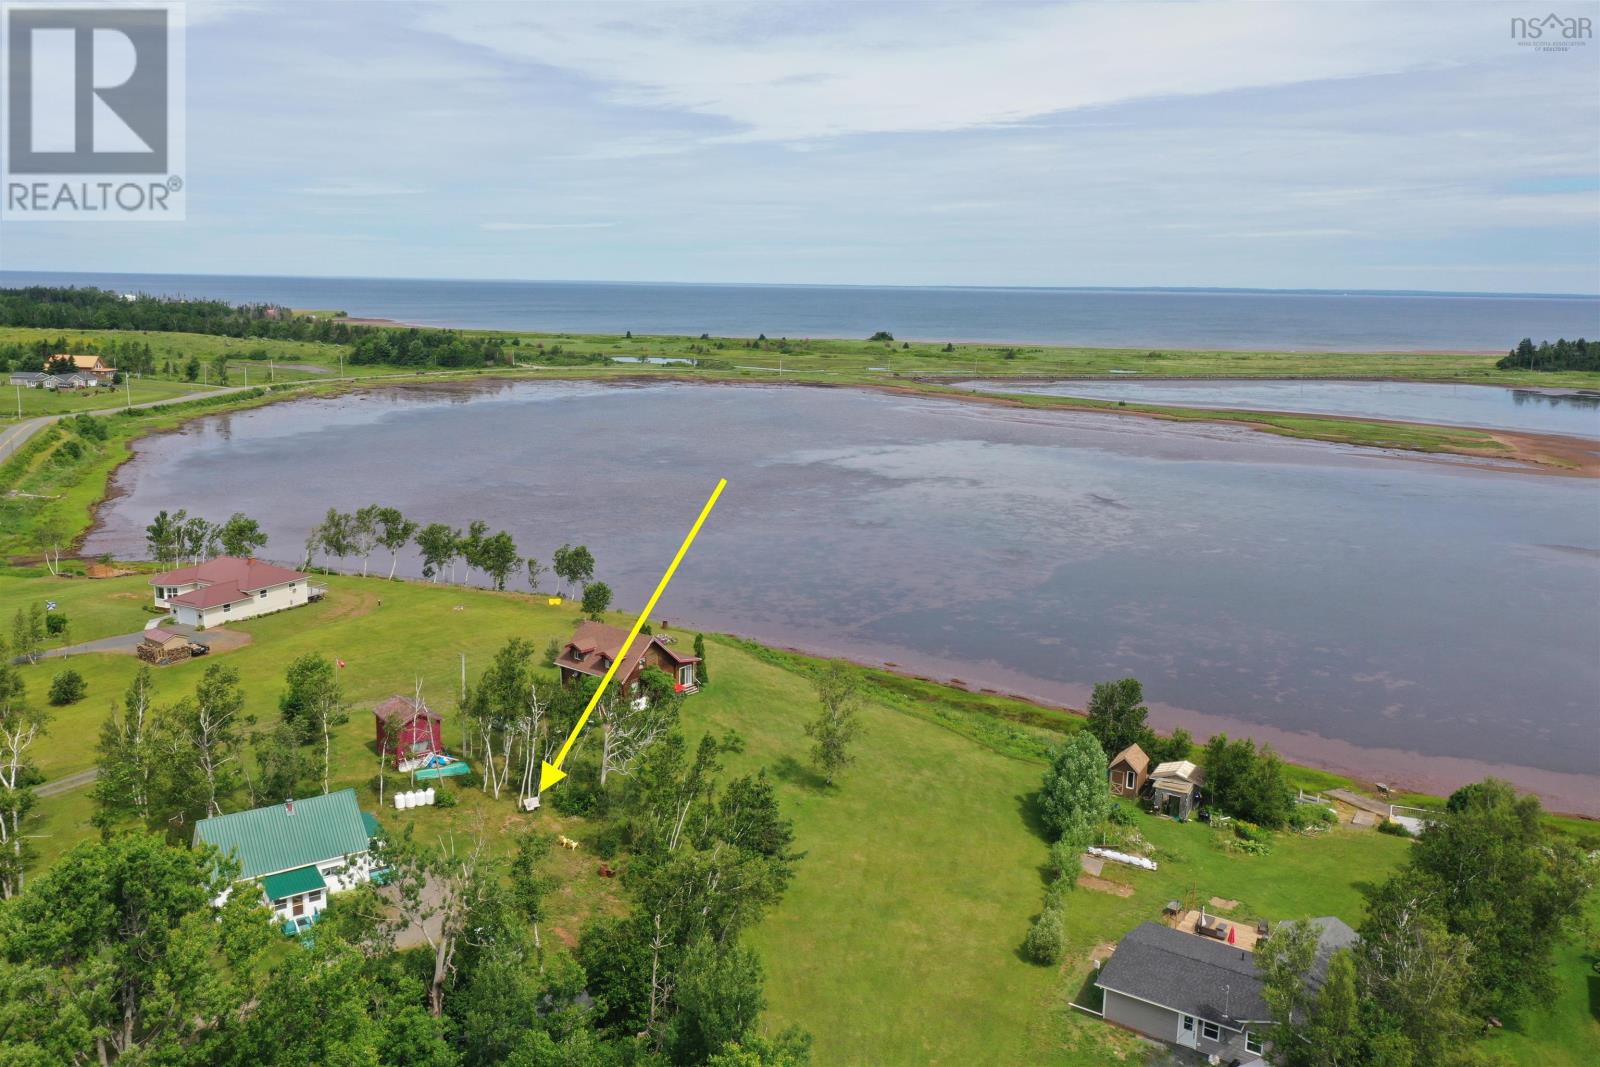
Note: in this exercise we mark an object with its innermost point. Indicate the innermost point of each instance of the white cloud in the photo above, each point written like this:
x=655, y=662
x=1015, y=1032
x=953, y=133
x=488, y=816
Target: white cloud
x=785, y=72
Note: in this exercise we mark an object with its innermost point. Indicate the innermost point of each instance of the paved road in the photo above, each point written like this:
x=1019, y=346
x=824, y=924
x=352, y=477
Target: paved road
x=119, y=643
x=68, y=784
x=14, y=437
x=128, y=642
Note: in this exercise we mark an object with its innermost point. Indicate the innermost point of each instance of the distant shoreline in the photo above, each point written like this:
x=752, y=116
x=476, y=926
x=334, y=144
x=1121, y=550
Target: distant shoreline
x=401, y=324
x=1298, y=321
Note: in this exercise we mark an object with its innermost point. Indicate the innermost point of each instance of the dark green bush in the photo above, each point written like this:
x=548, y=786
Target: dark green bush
x=1045, y=939
x=68, y=687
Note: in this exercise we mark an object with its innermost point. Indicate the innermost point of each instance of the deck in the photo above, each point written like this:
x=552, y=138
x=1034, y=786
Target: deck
x=1244, y=937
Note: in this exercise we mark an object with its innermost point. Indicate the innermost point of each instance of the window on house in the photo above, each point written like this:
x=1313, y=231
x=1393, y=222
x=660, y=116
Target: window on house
x=262, y=595
x=1128, y=779
x=1210, y=1031
x=1252, y=1043
x=227, y=607
x=316, y=895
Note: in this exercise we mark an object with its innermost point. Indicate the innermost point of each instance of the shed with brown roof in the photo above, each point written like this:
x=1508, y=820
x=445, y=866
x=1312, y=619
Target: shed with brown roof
x=1130, y=769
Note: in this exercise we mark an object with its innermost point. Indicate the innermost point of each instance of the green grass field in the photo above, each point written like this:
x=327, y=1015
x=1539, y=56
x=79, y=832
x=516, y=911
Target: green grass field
x=898, y=941
x=48, y=402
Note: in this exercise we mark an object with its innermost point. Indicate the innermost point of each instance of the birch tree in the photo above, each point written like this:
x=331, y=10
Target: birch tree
x=203, y=737
x=336, y=535
x=126, y=756
x=314, y=704
x=27, y=633
x=364, y=533
x=498, y=707
x=836, y=728
x=20, y=726
x=629, y=727
x=394, y=533
x=53, y=540
x=437, y=543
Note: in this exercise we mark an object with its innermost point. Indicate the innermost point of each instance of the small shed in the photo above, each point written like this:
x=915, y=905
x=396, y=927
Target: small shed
x=1175, y=788
x=1129, y=771
x=416, y=728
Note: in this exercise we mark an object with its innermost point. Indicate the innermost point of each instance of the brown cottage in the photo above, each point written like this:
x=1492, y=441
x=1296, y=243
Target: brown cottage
x=1129, y=771
x=594, y=646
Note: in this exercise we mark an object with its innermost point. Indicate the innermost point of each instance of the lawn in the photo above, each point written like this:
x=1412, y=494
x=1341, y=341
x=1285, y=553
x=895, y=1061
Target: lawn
x=898, y=940
x=72, y=401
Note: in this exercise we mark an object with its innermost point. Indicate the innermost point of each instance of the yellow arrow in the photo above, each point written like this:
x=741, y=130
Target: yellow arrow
x=551, y=773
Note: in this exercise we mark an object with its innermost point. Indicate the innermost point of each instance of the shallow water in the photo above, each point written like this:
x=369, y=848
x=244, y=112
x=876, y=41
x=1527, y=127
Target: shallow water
x=1485, y=406
x=1329, y=597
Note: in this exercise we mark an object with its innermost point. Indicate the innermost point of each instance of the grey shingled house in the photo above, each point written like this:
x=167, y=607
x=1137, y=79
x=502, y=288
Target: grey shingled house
x=1195, y=992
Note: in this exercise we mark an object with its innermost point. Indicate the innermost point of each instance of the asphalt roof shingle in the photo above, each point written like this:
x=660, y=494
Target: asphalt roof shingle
x=1194, y=975
x=250, y=575
x=1201, y=977
x=597, y=645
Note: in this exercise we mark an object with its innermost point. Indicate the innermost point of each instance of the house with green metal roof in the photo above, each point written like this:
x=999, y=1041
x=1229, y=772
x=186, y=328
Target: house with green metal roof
x=299, y=852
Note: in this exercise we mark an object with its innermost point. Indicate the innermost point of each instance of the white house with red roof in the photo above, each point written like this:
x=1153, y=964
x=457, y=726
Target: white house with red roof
x=229, y=588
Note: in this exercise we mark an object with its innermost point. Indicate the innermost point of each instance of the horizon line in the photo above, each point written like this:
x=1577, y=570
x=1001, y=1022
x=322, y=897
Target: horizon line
x=1303, y=291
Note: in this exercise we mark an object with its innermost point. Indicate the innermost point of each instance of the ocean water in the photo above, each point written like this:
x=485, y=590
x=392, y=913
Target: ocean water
x=1111, y=318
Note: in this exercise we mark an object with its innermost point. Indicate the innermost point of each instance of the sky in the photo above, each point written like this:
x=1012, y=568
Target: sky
x=1284, y=145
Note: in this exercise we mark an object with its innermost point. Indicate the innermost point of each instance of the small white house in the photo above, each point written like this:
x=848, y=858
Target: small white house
x=229, y=588
x=297, y=853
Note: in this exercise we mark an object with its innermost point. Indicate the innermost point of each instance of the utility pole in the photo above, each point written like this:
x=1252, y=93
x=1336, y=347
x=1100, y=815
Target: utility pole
x=128, y=383
x=19, y=402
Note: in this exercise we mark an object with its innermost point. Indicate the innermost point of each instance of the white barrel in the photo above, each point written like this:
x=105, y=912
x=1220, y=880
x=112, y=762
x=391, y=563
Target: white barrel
x=427, y=795
x=400, y=801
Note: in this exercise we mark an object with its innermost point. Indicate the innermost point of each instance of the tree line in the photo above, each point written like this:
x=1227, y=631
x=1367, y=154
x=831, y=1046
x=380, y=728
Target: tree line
x=1552, y=356
x=1461, y=940
x=1240, y=780
x=177, y=538
x=85, y=308
x=120, y=952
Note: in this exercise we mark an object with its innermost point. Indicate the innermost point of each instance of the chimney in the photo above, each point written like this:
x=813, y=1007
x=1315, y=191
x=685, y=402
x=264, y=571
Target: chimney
x=288, y=806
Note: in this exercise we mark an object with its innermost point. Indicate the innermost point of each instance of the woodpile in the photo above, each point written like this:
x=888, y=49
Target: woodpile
x=161, y=656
